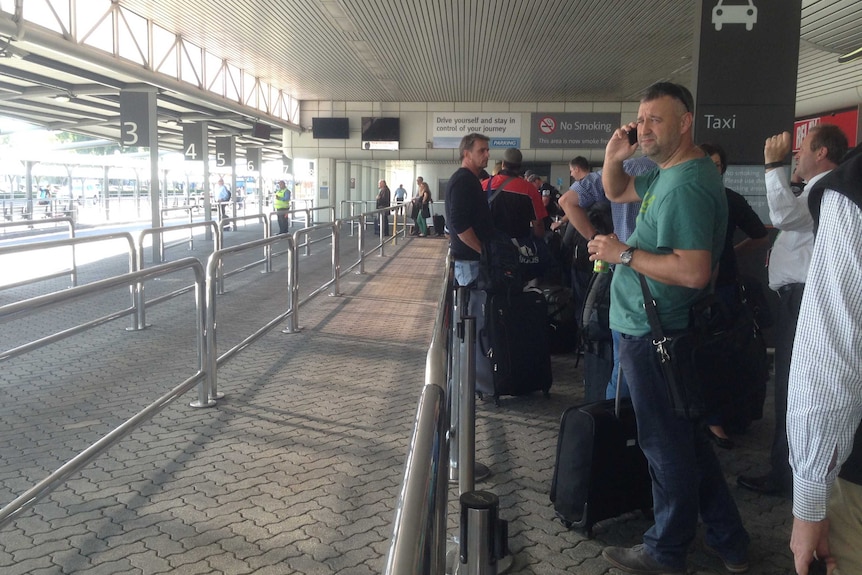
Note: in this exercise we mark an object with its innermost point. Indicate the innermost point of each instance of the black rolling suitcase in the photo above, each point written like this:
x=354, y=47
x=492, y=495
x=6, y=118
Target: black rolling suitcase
x=439, y=224
x=600, y=471
x=512, y=355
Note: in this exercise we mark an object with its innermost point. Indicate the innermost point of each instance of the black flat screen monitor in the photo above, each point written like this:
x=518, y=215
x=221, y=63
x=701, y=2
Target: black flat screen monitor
x=330, y=128
x=381, y=129
x=261, y=131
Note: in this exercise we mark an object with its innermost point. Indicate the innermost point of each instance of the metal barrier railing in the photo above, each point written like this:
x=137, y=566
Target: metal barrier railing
x=189, y=210
x=289, y=213
x=139, y=320
x=336, y=259
x=215, y=286
x=267, y=250
x=444, y=438
x=352, y=205
x=418, y=544
x=161, y=231
x=32, y=223
x=52, y=300
x=72, y=242
x=206, y=377
x=205, y=299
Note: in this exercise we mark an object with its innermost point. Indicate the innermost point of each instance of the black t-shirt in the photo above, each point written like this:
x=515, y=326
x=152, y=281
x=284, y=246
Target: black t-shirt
x=739, y=215
x=466, y=207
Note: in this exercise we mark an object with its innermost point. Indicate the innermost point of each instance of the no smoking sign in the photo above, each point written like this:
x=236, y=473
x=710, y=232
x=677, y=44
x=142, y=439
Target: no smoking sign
x=547, y=125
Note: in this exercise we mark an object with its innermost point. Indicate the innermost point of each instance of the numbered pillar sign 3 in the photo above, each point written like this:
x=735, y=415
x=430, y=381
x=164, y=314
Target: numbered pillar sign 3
x=136, y=110
x=225, y=151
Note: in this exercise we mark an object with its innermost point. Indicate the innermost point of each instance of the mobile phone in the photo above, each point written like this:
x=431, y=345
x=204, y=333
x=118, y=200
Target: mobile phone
x=817, y=567
x=633, y=136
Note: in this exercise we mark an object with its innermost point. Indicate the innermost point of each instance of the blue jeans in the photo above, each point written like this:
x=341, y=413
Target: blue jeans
x=612, y=384
x=466, y=272
x=686, y=476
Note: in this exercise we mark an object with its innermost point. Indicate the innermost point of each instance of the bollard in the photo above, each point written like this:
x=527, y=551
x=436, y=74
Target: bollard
x=483, y=534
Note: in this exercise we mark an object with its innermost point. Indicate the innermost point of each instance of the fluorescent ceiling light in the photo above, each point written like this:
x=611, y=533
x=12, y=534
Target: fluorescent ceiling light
x=850, y=55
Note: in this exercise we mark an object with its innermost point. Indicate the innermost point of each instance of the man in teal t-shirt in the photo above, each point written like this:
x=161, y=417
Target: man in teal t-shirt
x=680, y=210
x=676, y=245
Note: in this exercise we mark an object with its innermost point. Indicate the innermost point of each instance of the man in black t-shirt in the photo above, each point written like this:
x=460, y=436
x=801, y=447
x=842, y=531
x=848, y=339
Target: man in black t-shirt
x=467, y=213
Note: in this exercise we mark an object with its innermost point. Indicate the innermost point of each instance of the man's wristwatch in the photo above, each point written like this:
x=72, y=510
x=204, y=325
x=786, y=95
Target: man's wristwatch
x=626, y=257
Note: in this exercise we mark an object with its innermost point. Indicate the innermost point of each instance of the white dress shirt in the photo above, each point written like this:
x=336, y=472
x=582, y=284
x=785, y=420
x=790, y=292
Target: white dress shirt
x=791, y=252
x=824, y=405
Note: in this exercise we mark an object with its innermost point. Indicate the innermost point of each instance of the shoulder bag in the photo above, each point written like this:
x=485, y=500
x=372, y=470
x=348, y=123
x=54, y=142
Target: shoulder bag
x=702, y=364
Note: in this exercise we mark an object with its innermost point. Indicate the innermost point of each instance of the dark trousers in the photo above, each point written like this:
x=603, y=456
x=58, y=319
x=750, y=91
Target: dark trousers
x=283, y=218
x=790, y=299
x=687, y=479
x=385, y=224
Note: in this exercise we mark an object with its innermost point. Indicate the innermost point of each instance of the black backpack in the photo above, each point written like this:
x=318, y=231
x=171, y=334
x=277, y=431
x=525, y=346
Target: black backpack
x=500, y=265
x=500, y=262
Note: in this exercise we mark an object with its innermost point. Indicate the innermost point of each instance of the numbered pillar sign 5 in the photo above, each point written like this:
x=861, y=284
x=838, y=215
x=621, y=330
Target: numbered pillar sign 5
x=136, y=108
x=225, y=151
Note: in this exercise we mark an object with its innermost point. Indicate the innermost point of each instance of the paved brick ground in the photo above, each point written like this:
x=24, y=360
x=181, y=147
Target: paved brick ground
x=297, y=469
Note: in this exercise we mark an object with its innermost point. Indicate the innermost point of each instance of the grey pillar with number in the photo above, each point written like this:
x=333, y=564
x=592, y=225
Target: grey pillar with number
x=139, y=128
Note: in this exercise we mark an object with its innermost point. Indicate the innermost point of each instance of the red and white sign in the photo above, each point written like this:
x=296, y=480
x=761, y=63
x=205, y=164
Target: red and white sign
x=848, y=121
x=547, y=125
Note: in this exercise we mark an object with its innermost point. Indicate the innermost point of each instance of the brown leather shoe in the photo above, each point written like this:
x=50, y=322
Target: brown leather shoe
x=637, y=560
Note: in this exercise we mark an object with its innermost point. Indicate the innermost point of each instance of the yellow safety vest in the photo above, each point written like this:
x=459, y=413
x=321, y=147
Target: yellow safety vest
x=280, y=202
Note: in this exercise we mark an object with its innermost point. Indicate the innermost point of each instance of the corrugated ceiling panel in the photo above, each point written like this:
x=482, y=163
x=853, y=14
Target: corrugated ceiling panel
x=467, y=50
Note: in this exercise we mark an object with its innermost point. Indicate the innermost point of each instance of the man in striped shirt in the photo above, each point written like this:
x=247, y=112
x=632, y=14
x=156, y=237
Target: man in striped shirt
x=825, y=394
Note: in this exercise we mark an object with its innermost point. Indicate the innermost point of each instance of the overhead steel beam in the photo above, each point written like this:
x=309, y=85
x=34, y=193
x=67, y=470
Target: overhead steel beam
x=57, y=43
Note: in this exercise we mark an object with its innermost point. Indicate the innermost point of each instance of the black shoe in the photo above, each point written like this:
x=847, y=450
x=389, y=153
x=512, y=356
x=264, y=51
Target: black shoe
x=763, y=484
x=637, y=560
x=722, y=442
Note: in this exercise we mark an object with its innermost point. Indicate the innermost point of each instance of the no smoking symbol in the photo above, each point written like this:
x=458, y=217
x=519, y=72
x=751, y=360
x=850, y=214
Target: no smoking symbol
x=547, y=125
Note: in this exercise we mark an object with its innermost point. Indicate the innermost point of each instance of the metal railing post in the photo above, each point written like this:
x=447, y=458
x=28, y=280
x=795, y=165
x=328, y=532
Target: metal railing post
x=307, y=237
x=267, y=249
x=361, y=242
x=380, y=220
x=210, y=340
x=454, y=380
x=336, y=259
x=467, y=409
x=292, y=288
x=140, y=319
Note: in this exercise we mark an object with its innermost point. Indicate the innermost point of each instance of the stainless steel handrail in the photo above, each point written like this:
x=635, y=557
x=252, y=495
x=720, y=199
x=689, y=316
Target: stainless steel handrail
x=73, y=241
x=214, y=286
x=336, y=266
x=31, y=223
x=46, y=302
x=167, y=229
x=330, y=209
x=139, y=320
x=267, y=250
x=418, y=545
x=353, y=214
x=187, y=209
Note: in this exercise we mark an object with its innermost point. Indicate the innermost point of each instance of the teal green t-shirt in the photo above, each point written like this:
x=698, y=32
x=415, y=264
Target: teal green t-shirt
x=684, y=207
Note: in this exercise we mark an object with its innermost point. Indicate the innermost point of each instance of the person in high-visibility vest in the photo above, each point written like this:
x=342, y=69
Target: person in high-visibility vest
x=282, y=207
